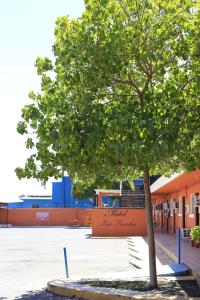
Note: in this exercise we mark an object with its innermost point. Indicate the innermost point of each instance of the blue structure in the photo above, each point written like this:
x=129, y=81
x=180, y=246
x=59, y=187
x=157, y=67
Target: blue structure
x=139, y=182
x=61, y=197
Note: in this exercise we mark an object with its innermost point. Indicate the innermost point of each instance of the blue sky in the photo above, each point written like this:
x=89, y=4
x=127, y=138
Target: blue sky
x=26, y=31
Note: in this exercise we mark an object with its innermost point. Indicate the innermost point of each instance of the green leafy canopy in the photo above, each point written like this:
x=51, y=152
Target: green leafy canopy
x=124, y=93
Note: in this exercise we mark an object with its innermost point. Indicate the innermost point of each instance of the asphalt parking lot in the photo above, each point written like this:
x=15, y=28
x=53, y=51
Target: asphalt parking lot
x=30, y=257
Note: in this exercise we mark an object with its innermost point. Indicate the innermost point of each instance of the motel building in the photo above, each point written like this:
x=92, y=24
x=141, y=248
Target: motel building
x=176, y=202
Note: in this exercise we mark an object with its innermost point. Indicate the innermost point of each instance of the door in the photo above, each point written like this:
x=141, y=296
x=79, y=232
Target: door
x=162, y=219
x=183, y=212
x=174, y=220
x=196, y=211
x=196, y=216
x=167, y=222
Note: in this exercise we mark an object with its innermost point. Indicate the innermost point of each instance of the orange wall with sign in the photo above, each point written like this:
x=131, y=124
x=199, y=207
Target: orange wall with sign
x=104, y=221
x=119, y=222
x=45, y=216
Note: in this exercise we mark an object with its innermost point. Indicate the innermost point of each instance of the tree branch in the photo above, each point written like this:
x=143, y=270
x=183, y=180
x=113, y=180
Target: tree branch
x=187, y=82
x=129, y=82
x=125, y=11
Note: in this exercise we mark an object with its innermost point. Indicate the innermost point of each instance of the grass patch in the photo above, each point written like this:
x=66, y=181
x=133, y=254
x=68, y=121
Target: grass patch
x=165, y=287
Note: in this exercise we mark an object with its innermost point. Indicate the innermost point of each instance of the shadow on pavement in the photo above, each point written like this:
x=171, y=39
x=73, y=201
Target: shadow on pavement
x=39, y=295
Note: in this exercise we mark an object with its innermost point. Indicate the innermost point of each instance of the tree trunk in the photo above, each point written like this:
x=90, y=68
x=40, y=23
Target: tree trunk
x=150, y=231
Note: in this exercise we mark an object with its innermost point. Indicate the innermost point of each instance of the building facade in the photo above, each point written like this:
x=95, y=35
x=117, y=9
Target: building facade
x=176, y=201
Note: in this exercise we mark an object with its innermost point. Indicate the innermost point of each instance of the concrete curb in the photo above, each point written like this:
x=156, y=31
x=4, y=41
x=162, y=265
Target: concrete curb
x=77, y=290
x=197, y=277
x=74, y=289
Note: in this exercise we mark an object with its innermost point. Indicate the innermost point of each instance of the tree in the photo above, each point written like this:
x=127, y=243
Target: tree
x=121, y=99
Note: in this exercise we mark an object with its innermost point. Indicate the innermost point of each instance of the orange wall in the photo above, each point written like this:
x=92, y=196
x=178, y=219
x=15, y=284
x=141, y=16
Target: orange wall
x=118, y=222
x=104, y=221
x=85, y=217
x=3, y=215
x=45, y=216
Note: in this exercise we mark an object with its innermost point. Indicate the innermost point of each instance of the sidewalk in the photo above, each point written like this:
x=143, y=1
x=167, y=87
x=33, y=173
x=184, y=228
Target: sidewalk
x=189, y=255
x=138, y=258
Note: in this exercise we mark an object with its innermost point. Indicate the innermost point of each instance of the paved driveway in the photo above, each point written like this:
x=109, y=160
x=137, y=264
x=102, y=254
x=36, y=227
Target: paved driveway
x=29, y=257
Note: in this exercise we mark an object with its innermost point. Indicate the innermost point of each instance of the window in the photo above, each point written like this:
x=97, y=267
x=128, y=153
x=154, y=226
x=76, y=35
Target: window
x=180, y=205
x=35, y=206
x=165, y=206
x=172, y=204
x=187, y=208
x=192, y=203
